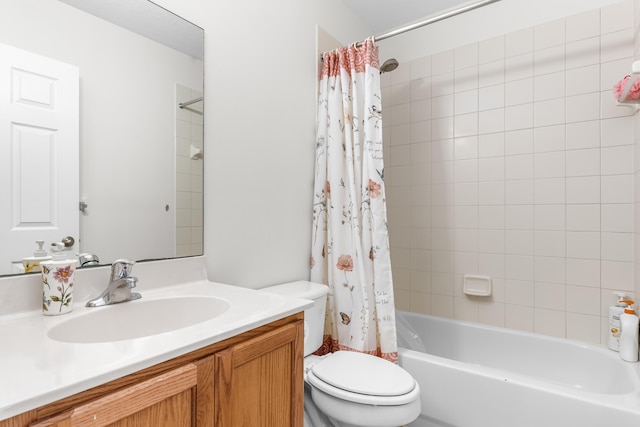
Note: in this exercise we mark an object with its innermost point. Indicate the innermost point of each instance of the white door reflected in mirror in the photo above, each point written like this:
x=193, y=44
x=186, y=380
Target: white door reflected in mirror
x=39, y=153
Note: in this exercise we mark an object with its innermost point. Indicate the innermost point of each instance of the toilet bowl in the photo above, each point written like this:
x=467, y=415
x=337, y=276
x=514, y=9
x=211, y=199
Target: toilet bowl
x=349, y=389
x=356, y=389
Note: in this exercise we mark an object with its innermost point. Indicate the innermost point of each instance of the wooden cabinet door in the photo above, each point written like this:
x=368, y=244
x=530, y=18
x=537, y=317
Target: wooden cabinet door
x=166, y=400
x=259, y=382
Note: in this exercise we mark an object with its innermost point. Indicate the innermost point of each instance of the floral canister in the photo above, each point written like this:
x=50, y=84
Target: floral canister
x=57, y=286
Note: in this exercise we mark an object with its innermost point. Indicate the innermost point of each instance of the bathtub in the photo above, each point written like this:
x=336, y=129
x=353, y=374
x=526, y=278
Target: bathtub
x=474, y=375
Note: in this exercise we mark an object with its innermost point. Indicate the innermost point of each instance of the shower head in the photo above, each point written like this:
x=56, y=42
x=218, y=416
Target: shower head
x=389, y=65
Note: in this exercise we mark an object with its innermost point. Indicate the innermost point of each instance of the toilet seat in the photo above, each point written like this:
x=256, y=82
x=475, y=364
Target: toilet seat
x=362, y=378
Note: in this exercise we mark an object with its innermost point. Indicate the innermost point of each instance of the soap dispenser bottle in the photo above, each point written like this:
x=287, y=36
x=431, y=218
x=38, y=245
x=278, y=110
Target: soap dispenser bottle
x=629, y=334
x=614, y=321
x=57, y=282
x=32, y=263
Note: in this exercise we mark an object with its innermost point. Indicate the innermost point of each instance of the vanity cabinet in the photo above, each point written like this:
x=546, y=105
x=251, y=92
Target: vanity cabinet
x=259, y=382
x=255, y=383
x=252, y=380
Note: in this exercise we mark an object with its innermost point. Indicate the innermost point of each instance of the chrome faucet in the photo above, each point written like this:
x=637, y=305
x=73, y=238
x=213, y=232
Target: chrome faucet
x=120, y=285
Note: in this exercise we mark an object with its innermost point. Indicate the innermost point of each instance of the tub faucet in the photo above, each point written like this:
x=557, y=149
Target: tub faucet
x=119, y=287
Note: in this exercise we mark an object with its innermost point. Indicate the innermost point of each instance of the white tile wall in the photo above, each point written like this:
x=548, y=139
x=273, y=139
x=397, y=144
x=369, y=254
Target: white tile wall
x=509, y=157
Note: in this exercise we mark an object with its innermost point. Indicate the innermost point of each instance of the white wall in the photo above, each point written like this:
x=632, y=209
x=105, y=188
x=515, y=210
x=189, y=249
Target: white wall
x=509, y=157
x=260, y=66
x=125, y=183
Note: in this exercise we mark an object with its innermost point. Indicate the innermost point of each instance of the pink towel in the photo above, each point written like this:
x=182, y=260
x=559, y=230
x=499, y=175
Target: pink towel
x=634, y=92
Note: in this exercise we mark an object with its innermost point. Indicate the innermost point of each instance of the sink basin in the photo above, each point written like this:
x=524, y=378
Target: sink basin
x=136, y=319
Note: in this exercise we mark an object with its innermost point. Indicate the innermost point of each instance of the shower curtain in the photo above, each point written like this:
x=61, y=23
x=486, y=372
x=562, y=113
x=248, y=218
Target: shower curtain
x=350, y=248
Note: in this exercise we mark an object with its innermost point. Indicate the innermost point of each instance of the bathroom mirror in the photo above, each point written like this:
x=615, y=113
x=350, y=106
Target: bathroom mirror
x=140, y=151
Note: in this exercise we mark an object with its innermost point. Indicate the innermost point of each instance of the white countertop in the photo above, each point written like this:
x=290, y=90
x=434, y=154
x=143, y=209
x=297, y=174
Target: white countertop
x=38, y=370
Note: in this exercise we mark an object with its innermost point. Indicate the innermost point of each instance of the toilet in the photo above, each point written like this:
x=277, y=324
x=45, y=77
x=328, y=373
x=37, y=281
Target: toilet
x=345, y=388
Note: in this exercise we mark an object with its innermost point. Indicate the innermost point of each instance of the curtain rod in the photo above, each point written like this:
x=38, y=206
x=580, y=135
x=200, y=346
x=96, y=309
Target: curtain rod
x=428, y=21
x=193, y=101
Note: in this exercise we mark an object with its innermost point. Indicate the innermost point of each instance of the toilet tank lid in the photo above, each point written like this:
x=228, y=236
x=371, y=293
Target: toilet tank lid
x=300, y=289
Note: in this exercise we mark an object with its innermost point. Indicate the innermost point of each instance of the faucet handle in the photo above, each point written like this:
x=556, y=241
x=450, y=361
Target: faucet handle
x=121, y=268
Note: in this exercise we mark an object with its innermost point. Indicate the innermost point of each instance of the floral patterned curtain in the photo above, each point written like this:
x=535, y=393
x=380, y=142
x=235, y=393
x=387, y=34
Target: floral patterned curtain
x=350, y=246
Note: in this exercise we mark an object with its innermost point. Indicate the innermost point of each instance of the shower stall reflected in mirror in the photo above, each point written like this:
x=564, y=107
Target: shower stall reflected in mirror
x=189, y=171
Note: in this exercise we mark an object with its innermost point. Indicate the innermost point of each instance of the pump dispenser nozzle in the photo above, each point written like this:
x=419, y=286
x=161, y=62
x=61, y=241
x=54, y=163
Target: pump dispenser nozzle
x=40, y=252
x=628, y=302
x=629, y=308
x=621, y=295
